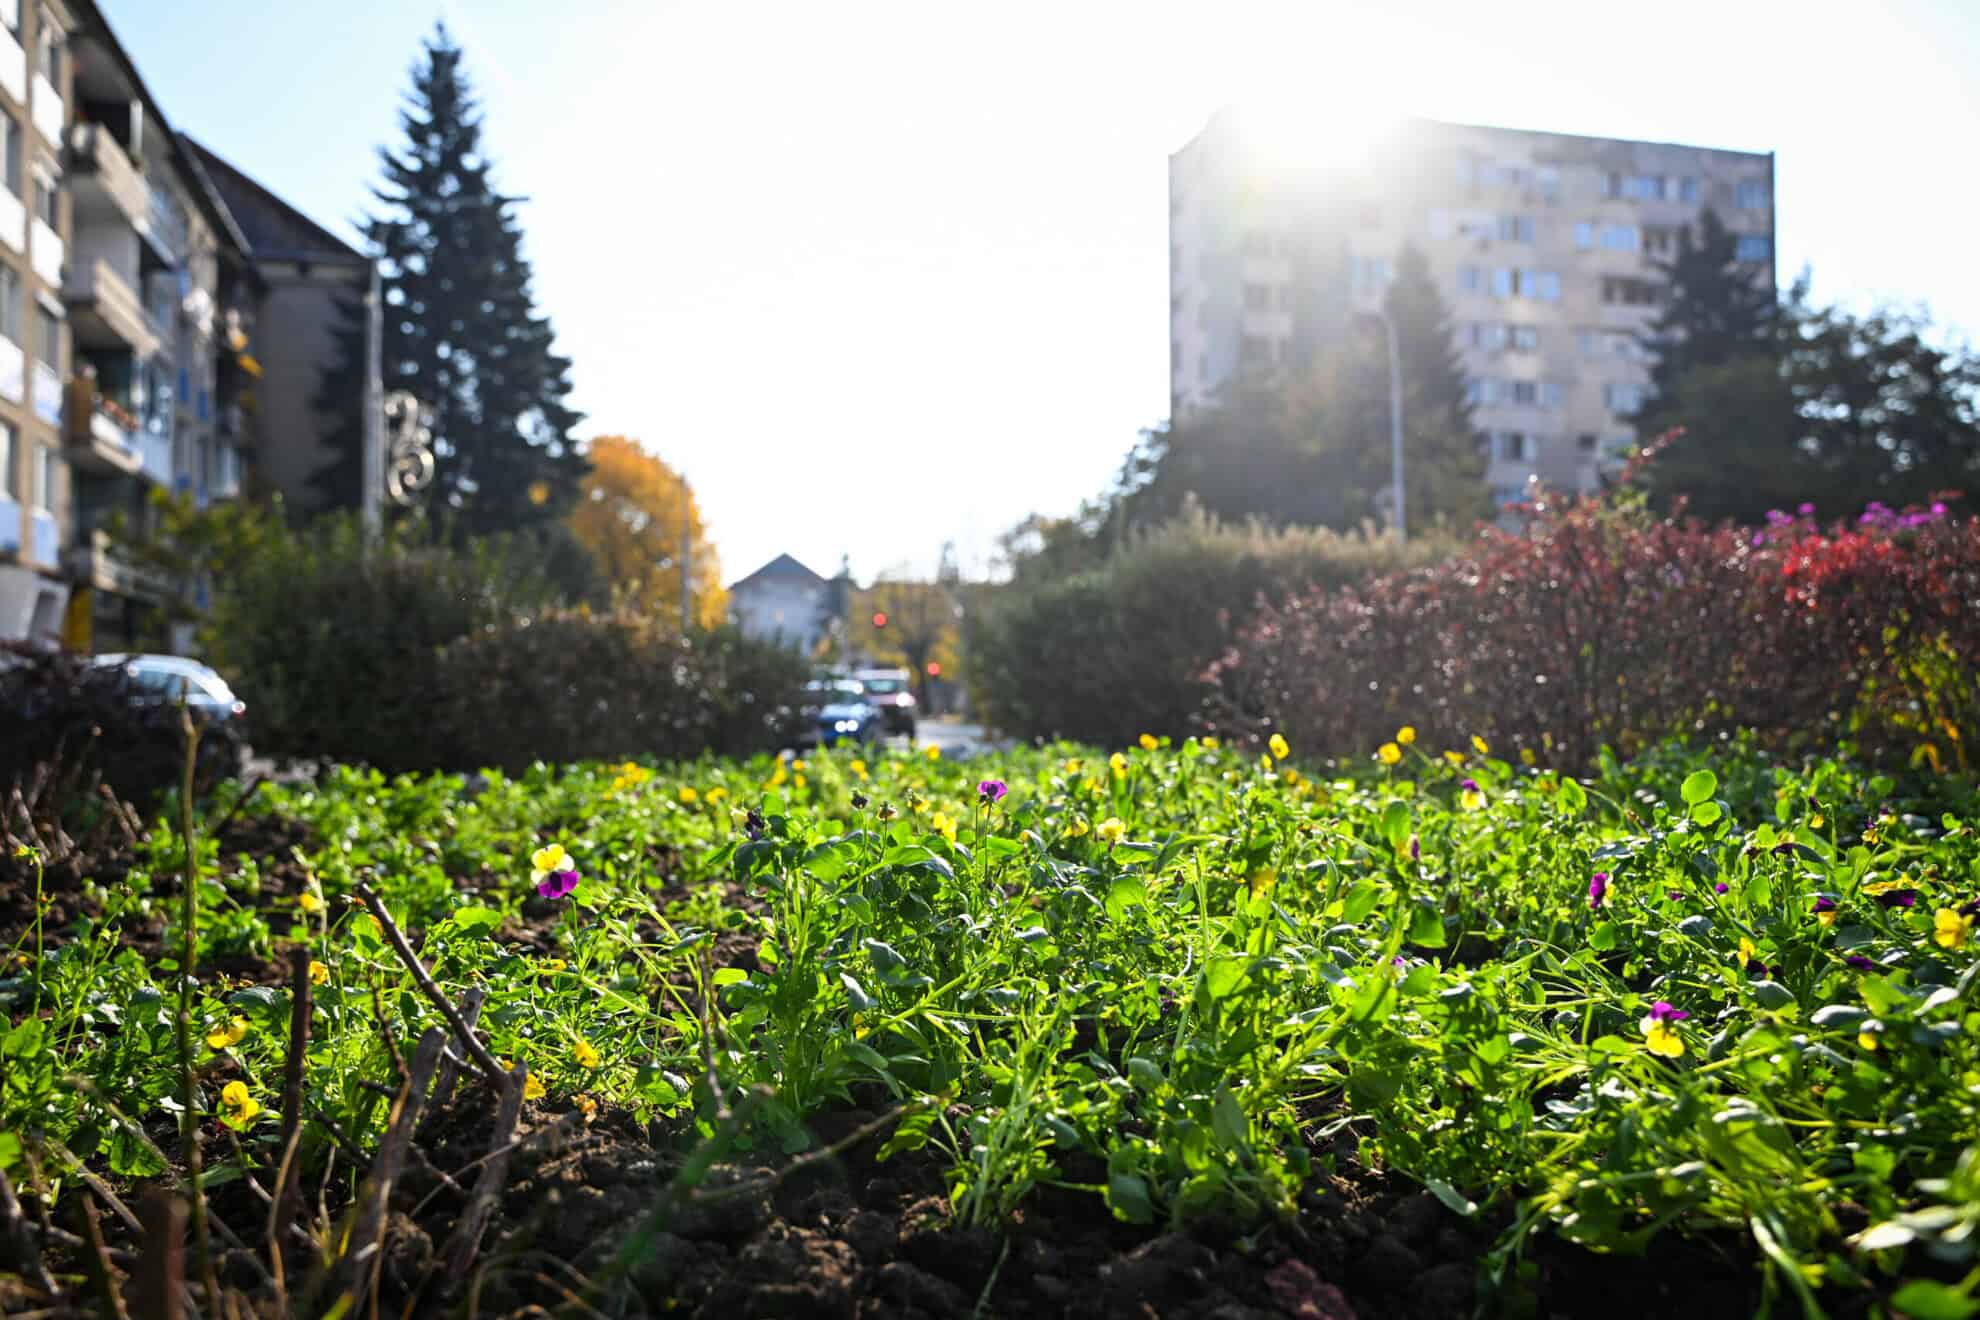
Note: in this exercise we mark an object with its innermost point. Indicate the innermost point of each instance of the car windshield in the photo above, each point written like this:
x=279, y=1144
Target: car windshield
x=838, y=695
x=883, y=686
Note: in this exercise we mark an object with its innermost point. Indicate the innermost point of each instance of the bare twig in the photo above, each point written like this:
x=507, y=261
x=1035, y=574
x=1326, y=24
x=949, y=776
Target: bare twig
x=161, y=1267
x=459, y=1252
x=188, y=959
x=253, y=787
x=20, y=1243
x=355, y=1272
x=121, y=814
x=288, y=1192
x=450, y=1062
x=482, y=1058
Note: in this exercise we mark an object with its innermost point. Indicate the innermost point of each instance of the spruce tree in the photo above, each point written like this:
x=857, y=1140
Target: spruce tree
x=461, y=331
x=1444, y=469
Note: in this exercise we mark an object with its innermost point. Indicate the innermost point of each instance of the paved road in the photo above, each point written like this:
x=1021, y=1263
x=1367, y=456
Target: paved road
x=953, y=737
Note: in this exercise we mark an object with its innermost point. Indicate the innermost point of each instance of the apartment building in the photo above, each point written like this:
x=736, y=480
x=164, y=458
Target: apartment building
x=1543, y=245
x=34, y=224
x=135, y=318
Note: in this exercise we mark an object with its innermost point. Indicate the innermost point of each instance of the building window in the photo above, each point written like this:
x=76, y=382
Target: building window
x=1753, y=247
x=1258, y=297
x=1526, y=393
x=1482, y=392
x=1516, y=446
x=1687, y=192
x=1751, y=195
x=1623, y=291
x=1621, y=238
x=1470, y=279
x=8, y=489
x=10, y=303
x=10, y=16
x=48, y=51
x=1622, y=399
x=1526, y=338
x=1584, y=234
x=48, y=344
x=1502, y=283
x=1635, y=187
x=47, y=200
x=42, y=474
x=1487, y=335
x=1585, y=443
x=1515, y=229
x=10, y=153
x=1660, y=240
x=1503, y=496
x=1543, y=285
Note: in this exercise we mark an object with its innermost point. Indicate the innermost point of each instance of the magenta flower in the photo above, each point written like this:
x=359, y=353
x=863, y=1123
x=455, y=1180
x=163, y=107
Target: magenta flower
x=1859, y=962
x=1662, y=1011
x=1598, y=889
x=1721, y=888
x=557, y=884
x=991, y=790
x=1824, y=903
x=1903, y=898
x=1415, y=849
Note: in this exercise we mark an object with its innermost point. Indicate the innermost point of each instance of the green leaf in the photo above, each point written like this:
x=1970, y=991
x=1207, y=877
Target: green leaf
x=1126, y=892
x=1603, y=937
x=1426, y=927
x=1222, y=974
x=1227, y=1120
x=1395, y=823
x=1699, y=786
x=1841, y=1017
x=730, y=976
x=1707, y=813
x=1573, y=800
x=1360, y=901
x=861, y=1001
x=476, y=920
x=1456, y=1202
x=1127, y=1197
x=1145, y=1073
x=1927, y=1299
x=1772, y=994
x=885, y=958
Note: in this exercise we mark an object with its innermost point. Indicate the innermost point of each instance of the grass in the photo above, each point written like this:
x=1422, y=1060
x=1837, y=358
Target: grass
x=1165, y=979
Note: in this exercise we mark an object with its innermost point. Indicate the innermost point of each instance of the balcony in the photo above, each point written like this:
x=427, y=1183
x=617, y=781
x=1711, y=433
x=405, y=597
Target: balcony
x=44, y=538
x=105, y=310
x=13, y=221
x=13, y=371
x=46, y=252
x=13, y=68
x=47, y=393
x=94, y=561
x=166, y=224
x=102, y=176
x=98, y=433
x=155, y=456
x=47, y=110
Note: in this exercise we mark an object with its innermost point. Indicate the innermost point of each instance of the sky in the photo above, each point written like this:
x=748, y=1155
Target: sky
x=878, y=276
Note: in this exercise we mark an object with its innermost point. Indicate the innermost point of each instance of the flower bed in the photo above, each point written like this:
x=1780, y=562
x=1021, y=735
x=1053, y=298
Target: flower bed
x=1061, y=1032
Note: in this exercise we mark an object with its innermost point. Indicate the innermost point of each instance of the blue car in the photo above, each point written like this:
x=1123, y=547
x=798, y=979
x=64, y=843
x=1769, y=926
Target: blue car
x=837, y=711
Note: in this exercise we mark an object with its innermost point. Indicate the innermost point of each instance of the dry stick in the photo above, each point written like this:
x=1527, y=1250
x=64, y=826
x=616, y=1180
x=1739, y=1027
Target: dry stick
x=189, y=917
x=253, y=787
x=96, y=1260
x=465, y=1241
x=450, y=1062
x=161, y=1278
x=118, y=814
x=482, y=1058
x=20, y=1242
x=356, y=1270
x=288, y=1191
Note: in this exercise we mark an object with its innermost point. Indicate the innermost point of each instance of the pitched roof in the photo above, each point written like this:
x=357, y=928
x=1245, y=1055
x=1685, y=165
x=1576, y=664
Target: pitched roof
x=784, y=567
x=275, y=230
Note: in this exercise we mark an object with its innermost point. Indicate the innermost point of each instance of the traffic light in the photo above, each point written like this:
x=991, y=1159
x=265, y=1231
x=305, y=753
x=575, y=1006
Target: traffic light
x=879, y=618
x=934, y=668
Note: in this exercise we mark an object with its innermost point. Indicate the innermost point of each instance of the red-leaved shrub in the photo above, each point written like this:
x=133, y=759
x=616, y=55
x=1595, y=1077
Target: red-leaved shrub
x=1603, y=625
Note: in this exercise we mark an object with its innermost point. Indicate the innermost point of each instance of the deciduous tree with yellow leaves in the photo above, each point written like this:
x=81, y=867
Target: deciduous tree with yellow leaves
x=630, y=513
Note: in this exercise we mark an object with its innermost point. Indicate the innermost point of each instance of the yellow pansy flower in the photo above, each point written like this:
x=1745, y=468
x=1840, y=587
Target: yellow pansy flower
x=554, y=964
x=533, y=1087
x=1390, y=753
x=1526, y=756
x=798, y=782
x=780, y=776
x=1406, y=734
x=586, y=1056
x=738, y=817
x=1211, y=744
x=1149, y=742
x=1471, y=799
x=228, y=1036
x=688, y=795
x=1119, y=764
x=1112, y=830
x=1281, y=749
x=1868, y=1040
x=932, y=752
x=1079, y=828
x=717, y=793
x=1747, y=948
x=943, y=826
x=1479, y=743
x=1262, y=881
x=319, y=974
x=1455, y=758
x=887, y=811
x=238, y=1107
x=309, y=902
x=1661, y=1038
x=858, y=767
x=1951, y=930
x=1074, y=765
x=551, y=858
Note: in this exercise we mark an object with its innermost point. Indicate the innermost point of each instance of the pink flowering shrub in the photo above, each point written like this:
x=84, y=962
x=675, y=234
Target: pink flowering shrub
x=1602, y=624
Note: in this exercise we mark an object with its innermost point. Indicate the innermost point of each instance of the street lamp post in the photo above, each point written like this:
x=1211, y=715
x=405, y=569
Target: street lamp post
x=1395, y=417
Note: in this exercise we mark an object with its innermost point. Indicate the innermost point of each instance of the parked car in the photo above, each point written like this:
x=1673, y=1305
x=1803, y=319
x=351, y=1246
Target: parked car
x=170, y=677
x=836, y=711
x=893, y=692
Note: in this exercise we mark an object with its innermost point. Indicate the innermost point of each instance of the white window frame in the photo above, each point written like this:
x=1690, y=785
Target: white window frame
x=41, y=478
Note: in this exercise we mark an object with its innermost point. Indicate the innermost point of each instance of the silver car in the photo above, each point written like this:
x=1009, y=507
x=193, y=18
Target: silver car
x=171, y=677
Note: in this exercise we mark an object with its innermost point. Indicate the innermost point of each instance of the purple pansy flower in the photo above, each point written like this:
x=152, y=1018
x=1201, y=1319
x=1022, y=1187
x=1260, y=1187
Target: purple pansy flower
x=1598, y=889
x=1825, y=904
x=1662, y=1011
x=1903, y=898
x=992, y=790
x=1859, y=962
x=1721, y=888
x=557, y=884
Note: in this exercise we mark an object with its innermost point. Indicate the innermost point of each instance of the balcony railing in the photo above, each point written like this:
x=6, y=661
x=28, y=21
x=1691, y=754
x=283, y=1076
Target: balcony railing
x=99, y=430
x=167, y=222
x=47, y=393
x=102, y=296
x=155, y=456
x=47, y=110
x=47, y=252
x=95, y=559
x=94, y=152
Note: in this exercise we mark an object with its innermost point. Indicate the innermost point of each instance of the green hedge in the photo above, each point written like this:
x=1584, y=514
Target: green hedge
x=1120, y=650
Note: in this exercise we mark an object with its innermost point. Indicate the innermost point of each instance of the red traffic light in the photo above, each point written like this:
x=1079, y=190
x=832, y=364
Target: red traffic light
x=879, y=619
x=934, y=668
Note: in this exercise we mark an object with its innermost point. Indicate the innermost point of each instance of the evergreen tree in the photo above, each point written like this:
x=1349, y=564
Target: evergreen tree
x=1443, y=466
x=460, y=328
x=1715, y=309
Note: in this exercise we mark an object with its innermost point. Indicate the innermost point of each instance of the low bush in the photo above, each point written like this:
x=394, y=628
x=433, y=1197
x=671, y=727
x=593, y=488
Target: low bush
x=1603, y=626
x=333, y=638
x=1108, y=654
x=573, y=685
